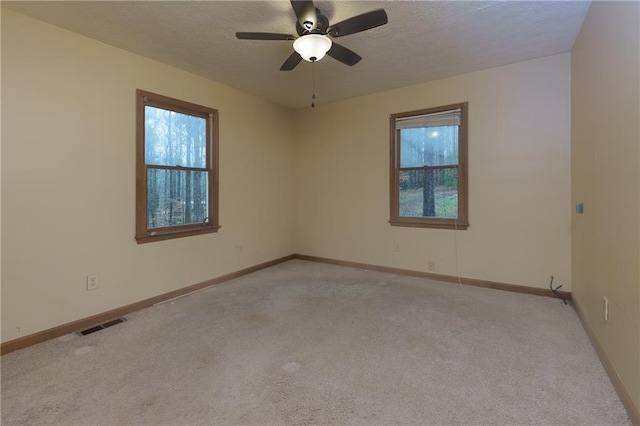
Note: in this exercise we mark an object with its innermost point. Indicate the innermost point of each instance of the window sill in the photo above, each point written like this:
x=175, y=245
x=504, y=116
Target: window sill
x=429, y=223
x=170, y=233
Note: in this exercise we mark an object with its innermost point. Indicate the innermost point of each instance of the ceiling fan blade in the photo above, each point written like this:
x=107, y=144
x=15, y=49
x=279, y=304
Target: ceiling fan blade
x=291, y=62
x=305, y=12
x=363, y=22
x=264, y=36
x=344, y=55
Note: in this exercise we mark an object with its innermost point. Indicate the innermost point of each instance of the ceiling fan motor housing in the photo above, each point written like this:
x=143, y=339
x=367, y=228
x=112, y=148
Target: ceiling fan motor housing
x=320, y=27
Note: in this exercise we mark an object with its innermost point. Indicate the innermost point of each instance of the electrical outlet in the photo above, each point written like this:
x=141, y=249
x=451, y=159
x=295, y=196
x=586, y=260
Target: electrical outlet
x=396, y=246
x=606, y=308
x=431, y=265
x=92, y=282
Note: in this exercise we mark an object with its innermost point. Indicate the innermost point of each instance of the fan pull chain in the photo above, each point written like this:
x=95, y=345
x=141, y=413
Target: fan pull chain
x=313, y=96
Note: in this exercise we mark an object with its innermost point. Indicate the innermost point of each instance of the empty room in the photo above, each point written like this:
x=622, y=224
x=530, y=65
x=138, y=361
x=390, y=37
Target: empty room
x=320, y=212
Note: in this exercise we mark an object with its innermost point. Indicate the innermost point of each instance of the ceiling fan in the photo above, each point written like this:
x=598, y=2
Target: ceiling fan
x=315, y=34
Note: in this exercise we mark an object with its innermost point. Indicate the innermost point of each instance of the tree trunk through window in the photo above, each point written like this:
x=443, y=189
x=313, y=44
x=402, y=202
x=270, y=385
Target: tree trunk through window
x=428, y=201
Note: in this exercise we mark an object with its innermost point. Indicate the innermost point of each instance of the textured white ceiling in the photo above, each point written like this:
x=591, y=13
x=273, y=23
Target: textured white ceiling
x=424, y=40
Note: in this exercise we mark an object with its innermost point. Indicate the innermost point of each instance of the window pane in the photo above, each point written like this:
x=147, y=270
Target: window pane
x=429, y=146
x=429, y=193
x=174, y=139
x=176, y=197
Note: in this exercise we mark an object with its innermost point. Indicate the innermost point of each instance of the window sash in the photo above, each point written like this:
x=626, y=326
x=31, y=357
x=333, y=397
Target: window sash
x=187, y=202
x=174, y=138
x=417, y=201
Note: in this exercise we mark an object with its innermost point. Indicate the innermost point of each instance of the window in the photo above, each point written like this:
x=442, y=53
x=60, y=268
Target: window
x=177, y=168
x=429, y=168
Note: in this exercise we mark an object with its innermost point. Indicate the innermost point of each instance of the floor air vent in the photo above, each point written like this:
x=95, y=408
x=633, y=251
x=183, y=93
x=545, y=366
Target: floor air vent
x=100, y=326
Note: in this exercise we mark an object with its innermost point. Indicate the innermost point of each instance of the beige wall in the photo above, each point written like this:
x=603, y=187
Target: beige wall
x=606, y=178
x=68, y=179
x=519, y=177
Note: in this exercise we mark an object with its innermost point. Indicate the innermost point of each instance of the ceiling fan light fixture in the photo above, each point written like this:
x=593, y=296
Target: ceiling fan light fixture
x=312, y=47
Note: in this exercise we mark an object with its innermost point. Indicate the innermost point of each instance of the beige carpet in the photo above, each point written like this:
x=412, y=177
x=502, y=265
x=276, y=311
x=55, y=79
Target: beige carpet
x=308, y=343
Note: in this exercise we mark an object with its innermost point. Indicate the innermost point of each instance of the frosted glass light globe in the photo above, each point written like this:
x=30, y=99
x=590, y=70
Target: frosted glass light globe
x=312, y=47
